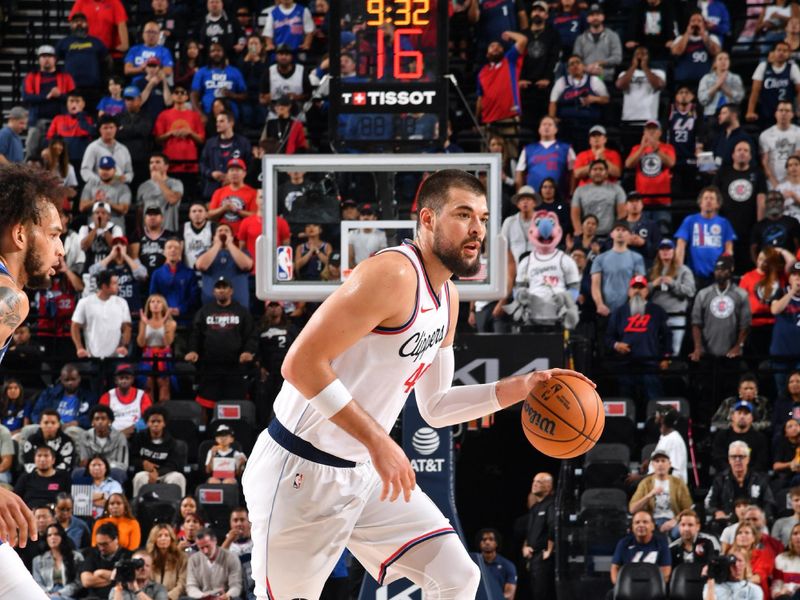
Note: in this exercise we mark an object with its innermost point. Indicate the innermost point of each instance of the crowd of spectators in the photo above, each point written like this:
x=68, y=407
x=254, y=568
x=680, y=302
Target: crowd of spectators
x=615, y=116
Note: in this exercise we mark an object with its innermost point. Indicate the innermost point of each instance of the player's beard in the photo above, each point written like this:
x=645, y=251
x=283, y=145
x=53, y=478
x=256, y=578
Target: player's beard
x=35, y=271
x=637, y=304
x=451, y=257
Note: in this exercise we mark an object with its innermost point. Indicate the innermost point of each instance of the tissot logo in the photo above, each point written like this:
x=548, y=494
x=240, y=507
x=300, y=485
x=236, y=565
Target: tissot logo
x=390, y=98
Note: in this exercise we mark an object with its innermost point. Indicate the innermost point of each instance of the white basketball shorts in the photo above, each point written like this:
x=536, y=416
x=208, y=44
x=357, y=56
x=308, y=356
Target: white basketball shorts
x=304, y=511
x=15, y=580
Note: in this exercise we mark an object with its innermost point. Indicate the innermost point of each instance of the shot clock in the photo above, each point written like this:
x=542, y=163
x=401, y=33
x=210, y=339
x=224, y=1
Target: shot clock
x=388, y=67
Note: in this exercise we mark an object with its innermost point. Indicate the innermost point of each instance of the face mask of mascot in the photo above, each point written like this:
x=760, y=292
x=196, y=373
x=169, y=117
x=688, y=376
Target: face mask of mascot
x=541, y=296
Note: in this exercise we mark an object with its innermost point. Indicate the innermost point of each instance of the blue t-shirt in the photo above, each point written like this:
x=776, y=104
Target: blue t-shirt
x=616, y=269
x=13, y=418
x=502, y=571
x=210, y=82
x=110, y=106
x=11, y=145
x=655, y=552
x=138, y=56
x=225, y=266
x=786, y=331
x=68, y=408
x=706, y=239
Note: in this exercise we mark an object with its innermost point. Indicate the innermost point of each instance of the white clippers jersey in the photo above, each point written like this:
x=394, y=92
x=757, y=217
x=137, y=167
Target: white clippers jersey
x=379, y=370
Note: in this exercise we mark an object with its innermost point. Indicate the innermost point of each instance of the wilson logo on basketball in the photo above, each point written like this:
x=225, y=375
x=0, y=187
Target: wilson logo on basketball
x=536, y=419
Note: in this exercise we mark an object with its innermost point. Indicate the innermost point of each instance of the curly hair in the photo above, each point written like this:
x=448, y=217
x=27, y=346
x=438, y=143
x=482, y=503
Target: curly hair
x=24, y=192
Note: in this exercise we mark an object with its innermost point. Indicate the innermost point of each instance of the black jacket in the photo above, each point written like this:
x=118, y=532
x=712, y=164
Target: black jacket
x=723, y=492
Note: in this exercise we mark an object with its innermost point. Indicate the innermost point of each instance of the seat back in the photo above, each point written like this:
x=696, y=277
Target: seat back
x=680, y=403
x=236, y=410
x=639, y=581
x=686, y=582
x=217, y=500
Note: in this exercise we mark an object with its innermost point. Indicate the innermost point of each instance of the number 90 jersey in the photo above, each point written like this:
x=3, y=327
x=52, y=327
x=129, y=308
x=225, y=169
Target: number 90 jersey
x=379, y=370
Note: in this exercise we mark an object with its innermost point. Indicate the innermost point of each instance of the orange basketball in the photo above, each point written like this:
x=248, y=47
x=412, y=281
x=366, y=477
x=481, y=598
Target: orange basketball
x=563, y=417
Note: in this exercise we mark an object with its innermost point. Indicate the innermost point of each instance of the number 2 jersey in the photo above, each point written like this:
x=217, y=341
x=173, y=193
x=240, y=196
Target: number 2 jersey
x=379, y=370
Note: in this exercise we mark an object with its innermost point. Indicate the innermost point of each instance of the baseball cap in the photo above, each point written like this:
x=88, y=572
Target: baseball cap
x=652, y=123
x=237, y=163
x=153, y=209
x=222, y=282
x=622, y=224
x=18, y=112
x=284, y=48
x=123, y=368
x=46, y=49
x=796, y=267
x=107, y=162
x=666, y=243
x=120, y=239
x=594, y=8
x=659, y=452
x=153, y=61
x=743, y=405
x=724, y=262
x=638, y=280
x=349, y=203
x=131, y=92
x=525, y=191
x=540, y=4
x=98, y=205
x=223, y=429
x=597, y=129
x=367, y=209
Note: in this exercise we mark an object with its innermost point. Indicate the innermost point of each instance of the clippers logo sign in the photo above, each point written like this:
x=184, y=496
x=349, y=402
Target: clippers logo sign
x=373, y=98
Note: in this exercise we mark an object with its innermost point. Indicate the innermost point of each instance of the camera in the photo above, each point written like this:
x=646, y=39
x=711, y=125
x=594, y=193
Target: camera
x=719, y=568
x=126, y=570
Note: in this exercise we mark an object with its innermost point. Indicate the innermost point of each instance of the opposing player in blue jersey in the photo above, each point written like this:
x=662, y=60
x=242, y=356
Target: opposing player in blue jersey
x=326, y=474
x=30, y=252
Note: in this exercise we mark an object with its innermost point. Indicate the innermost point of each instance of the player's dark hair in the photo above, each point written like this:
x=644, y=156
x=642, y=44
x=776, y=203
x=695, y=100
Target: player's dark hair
x=497, y=537
x=206, y=532
x=598, y=161
x=160, y=155
x=714, y=190
x=102, y=459
x=25, y=193
x=155, y=410
x=435, y=190
x=104, y=278
x=108, y=529
x=46, y=447
x=107, y=120
x=748, y=377
x=49, y=412
x=101, y=408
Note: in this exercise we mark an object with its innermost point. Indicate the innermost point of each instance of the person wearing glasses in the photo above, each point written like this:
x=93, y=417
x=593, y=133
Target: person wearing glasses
x=738, y=481
x=97, y=567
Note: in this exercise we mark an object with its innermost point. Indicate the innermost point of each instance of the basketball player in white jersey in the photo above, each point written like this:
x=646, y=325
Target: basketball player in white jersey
x=326, y=474
x=30, y=251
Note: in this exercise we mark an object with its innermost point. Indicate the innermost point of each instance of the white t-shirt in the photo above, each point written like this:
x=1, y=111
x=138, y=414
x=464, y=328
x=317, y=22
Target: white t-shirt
x=780, y=145
x=662, y=509
x=790, y=207
x=102, y=323
x=515, y=230
x=366, y=243
x=676, y=449
x=549, y=274
x=794, y=71
x=640, y=101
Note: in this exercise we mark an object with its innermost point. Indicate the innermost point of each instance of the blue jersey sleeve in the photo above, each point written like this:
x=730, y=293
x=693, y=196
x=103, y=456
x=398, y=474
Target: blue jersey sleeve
x=685, y=230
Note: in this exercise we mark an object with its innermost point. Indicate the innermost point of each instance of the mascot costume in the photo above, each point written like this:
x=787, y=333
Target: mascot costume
x=548, y=280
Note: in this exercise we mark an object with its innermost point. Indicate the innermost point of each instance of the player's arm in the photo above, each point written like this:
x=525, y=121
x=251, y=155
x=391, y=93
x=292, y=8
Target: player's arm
x=13, y=308
x=380, y=292
x=442, y=405
x=16, y=519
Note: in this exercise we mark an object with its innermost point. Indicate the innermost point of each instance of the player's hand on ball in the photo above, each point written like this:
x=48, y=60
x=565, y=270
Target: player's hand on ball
x=15, y=515
x=541, y=376
x=394, y=469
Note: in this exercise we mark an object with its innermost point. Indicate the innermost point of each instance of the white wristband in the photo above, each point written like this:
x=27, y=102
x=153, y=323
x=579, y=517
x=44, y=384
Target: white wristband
x=331, y=399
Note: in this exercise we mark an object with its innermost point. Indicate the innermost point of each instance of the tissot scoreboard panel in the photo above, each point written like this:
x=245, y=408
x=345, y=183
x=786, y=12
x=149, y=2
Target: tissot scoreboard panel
x=388, y=67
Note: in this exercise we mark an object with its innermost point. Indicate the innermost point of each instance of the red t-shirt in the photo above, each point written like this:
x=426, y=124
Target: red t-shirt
x=181, y=151
x=498, y=87
x=652, y=177
x=585, y=158
x=251, y=228
x=759, y=305
x=244, y=199
x=103, y=17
